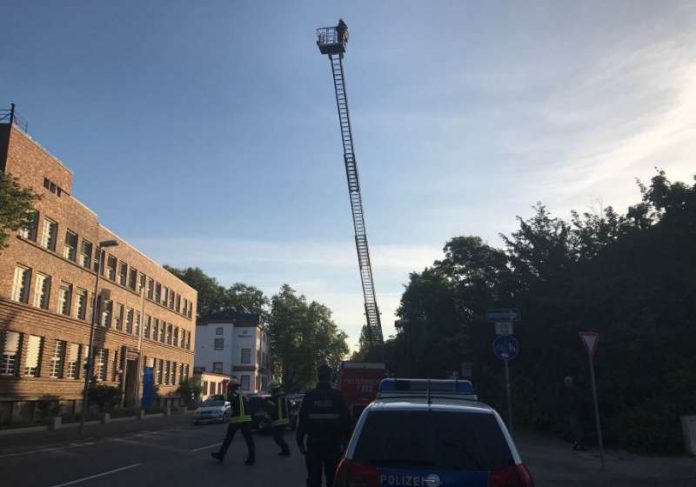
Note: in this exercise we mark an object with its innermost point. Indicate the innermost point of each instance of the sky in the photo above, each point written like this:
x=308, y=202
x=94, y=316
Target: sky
x=205, y=133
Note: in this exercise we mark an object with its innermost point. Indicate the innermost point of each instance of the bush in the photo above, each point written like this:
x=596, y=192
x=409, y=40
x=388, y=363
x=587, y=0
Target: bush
x=190, y=391
x=47, y=406
x=105, y=397
x=653, y=428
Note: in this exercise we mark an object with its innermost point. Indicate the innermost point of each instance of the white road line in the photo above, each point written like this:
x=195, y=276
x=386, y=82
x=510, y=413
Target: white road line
x=103, y=474
x=205, y=447
x=44, y=450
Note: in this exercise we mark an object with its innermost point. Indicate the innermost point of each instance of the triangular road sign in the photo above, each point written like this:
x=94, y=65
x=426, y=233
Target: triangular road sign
x=589, y=339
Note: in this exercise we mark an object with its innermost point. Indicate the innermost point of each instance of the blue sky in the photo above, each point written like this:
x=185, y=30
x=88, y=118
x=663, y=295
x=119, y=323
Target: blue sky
x=205, y=132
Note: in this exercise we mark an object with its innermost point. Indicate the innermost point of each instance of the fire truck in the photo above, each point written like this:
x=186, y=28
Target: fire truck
x=359, y=384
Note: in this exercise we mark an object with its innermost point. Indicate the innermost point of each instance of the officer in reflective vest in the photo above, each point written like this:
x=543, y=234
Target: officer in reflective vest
x=240, y=419
x=325, y=422
x=279, y=417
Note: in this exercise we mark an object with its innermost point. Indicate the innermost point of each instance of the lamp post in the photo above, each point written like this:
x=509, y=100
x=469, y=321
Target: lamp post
x=90, y=354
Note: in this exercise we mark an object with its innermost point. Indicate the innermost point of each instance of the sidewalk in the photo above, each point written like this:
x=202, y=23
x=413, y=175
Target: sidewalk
x=554, y=463
x=19, y=442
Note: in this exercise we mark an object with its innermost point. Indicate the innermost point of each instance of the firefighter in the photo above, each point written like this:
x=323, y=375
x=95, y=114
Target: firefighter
x=240, y=419
x=325, y=422
x=342, y=32
x=279, y=417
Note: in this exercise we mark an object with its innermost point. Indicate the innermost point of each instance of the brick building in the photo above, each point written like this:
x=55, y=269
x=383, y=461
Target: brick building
x=47, y=282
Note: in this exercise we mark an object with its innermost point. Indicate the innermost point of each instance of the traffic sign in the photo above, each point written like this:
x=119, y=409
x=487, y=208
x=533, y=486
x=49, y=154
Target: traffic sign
x=504, y=328
x=506, y=347
x=589, y=339
x=503, y=314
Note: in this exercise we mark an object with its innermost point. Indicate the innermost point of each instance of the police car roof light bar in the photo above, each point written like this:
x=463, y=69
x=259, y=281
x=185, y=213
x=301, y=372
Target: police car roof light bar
x=430, y=388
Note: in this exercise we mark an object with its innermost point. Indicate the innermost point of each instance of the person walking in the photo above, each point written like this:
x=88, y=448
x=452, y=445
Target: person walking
x=280, y=418
x=240, y=419
x=324, y=421
x=574, y=410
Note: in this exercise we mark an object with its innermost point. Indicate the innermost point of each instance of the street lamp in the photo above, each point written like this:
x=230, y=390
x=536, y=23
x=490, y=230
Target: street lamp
x=90, y=355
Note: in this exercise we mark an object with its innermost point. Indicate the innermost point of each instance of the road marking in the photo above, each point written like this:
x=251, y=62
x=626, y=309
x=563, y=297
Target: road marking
x=204, y=447
x=96, y=476
x=44, y=450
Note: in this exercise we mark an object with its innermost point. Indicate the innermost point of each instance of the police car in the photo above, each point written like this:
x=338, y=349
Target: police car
x=430, y=433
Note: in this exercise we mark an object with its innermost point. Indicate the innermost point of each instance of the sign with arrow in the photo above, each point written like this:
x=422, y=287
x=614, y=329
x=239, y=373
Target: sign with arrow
x=503, y=314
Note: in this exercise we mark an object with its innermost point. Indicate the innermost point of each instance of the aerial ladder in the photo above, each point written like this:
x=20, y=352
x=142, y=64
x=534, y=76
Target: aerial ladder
x=332, y=42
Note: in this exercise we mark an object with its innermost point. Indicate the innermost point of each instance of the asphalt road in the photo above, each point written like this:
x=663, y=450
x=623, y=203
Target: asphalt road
x=173, y=455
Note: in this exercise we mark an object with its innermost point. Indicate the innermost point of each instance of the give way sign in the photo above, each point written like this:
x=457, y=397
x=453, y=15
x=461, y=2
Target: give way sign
x=589, y=339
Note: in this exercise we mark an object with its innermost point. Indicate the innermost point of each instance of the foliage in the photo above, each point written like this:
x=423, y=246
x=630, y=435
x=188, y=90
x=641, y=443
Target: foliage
x=302, y=336
x=190, y=390
x=48, y=406
x=216, y=300
x=104, y=397
x=631, y=277
x=16, y=210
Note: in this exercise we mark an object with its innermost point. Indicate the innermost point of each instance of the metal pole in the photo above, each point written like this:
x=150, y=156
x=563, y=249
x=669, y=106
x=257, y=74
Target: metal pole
x=12, y=113
x=596, y=410
x=90, y=358
x=139, y=375
x=509, y=395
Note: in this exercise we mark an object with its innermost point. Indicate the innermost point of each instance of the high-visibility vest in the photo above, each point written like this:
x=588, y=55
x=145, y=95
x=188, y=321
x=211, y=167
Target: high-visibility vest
x=243, y=417
x=281, y=419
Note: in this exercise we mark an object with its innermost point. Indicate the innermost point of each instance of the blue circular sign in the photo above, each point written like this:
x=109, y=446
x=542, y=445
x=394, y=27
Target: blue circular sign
x=506, y=347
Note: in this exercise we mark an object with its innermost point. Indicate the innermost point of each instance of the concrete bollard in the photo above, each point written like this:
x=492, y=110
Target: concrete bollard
x=141, y=414
x=106, y=418
x=168, y=411
x=55, y=423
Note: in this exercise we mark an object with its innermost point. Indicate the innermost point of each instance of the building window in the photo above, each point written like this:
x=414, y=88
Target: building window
x=150, y=288
x=33, y=362
x=163, y=331
x=205, y=387
x=155, y=331
x=10, y=353
x=169, y=334
x=111, y=268
x=219, y=330
x=148, y=325
x=182, y=377
x=219, y=344
x=86, y=254
x=123, y=274
x=107, y=313
x=50, y=233
x=217, y=367
x=58, y=359
x=42, y=291
x=70, y=248
x=81, y=301
x=158, y=370
x=246, y=355
x=133, y=279
x=137, y=323
x=73, y=361
x=64, y=298
x=172, y=375
x=158, y=292
x=245, y=382
x=118, y=317
x=188, y=340
x=31, y=229
x=176, y=336
x=101, y=358
x=167, y=371
x=129, y=320
x=20, y=284
x=178, y=303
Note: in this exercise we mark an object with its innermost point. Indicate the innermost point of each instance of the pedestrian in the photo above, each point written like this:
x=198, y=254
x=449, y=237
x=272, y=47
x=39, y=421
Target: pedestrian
x=280, y=418
x=342, y=32
x=325, y=422
x=240, y=419
x=574, y=408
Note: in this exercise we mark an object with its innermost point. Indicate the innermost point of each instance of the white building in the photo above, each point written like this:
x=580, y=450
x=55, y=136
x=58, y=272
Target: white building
x=236, y=345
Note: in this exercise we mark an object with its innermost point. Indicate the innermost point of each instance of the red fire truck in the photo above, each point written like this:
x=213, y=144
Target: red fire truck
x=359, y=383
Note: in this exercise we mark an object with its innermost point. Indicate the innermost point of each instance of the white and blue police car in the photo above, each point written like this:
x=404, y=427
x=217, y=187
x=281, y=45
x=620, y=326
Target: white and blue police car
x=430, y=433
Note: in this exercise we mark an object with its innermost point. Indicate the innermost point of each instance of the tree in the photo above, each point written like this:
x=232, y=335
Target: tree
x=302, y=336
x=16, y=207
x=243, y=297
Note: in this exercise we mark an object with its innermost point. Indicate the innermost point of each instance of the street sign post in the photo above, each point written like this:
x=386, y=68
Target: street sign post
x=506, y=348
x=504, y=328
x=589, y=340
x=503, y=314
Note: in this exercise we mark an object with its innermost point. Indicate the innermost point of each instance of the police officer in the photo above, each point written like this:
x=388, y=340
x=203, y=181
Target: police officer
x=279, y=417
x=240, y=419
x=325, y=421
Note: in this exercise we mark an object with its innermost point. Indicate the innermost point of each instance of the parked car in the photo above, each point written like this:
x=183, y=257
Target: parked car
x=422, y=432
x=260, y=409
x=212, y=411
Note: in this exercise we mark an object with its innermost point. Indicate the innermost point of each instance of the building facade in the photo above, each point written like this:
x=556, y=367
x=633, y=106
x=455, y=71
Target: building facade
x=236, y=346
x=47, y=289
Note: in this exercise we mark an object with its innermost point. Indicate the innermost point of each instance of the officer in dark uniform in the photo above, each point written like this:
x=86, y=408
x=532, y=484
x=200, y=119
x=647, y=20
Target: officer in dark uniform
x=325, y=421
x=240, y=419
x=279, y=417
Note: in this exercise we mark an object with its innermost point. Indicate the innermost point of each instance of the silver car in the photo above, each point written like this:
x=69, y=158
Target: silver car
x=213, y=411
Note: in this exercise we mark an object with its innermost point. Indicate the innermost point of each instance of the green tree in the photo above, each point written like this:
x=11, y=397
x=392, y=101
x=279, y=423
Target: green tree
x=302, y=336
x=16, y=207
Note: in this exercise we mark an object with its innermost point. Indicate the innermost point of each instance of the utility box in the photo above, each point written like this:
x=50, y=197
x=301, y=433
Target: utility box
x=689, y=431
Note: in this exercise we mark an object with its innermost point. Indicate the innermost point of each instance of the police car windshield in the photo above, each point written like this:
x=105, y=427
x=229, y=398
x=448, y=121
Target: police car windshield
x=446, y=440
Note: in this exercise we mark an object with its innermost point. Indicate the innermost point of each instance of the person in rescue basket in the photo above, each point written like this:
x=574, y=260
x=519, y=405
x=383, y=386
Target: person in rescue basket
x=279, y=417
x=240, y=419
x=325, y=421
